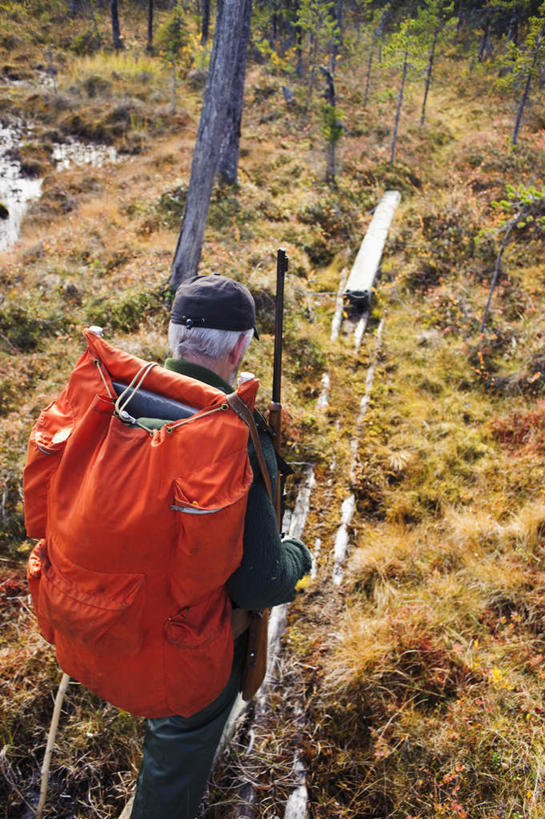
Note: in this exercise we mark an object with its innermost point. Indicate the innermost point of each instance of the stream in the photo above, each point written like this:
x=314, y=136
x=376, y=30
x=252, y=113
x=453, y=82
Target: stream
x=17, y=191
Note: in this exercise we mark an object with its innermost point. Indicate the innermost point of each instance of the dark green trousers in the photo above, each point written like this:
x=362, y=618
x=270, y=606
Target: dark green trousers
x=179, y=752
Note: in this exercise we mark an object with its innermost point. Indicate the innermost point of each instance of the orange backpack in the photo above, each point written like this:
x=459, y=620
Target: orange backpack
x=140, y=530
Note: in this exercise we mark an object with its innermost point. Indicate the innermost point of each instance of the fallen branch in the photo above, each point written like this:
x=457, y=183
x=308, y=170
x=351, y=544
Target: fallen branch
x=63, y=685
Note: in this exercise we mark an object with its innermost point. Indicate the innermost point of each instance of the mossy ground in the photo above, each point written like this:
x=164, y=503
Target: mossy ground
x=422, y=678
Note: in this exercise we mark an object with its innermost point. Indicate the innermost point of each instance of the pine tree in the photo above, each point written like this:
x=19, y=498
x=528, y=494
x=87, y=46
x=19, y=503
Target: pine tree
x=524, y=62
x=434, y=26
x=172, y=38
x=317, y=21
x=403, y=51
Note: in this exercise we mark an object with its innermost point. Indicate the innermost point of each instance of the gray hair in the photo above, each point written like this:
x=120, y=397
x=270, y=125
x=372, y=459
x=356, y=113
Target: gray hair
x=204, y=342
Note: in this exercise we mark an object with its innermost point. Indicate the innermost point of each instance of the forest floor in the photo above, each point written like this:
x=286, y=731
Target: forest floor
x=420, y=676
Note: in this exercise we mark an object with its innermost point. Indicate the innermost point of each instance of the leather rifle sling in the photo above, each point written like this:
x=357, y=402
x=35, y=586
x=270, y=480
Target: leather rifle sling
x=241, y=409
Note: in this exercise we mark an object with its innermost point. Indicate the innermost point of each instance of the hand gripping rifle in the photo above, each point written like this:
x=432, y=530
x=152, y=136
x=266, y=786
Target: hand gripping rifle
x=256, y=658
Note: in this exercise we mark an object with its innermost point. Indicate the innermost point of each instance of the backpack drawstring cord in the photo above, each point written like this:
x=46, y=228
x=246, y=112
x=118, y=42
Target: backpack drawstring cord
x=98, y=364
x=131, y=390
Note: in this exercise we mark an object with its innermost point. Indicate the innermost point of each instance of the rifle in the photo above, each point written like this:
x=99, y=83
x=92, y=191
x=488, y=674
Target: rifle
x=256, y=657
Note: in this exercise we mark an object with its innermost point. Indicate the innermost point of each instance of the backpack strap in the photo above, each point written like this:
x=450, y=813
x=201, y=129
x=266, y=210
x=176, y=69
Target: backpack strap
x=241, y=409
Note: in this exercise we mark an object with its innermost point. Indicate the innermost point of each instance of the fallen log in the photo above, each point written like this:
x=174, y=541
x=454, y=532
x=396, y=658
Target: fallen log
x=367, y=263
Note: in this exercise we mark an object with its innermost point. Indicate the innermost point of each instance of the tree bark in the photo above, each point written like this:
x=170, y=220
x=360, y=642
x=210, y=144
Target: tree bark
x=497, y=269
x=116, y=33
x=329, y=96
x=205, y=21
x=229, y=154
x=337, y=45
x=399, y=103
x=217, y=95
x=429, y=73
x=526, y=92
x=368, y=77
x=299, y=51
x=484, y=42
x=150, y=26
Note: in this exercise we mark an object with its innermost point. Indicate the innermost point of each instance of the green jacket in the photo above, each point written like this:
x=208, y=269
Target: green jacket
x=271, y=566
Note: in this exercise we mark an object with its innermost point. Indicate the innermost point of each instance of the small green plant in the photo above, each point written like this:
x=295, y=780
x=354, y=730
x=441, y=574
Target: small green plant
x=172, y=39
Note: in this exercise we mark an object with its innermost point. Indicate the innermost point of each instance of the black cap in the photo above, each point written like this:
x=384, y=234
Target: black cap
x=214, y=301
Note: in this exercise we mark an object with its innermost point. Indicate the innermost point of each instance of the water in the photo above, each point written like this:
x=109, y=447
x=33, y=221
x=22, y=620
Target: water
x=17, y=191
x=73, y=152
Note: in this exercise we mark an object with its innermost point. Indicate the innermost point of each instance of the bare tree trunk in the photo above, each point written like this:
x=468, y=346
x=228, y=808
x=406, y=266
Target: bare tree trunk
x=526, y=92
x=217, y=93
x=368, y=77
x=150, y=26
x=116, y=33
x=339, y=38
x=94, y=19
x=229, y=154
x=174, y=89
x=399, y=103
x=429, y=73
x=484, y=42
x=312, y=76
x=329, y=96
x=205, y=21
x=299, y=50
x=497, y=269
x=73, y=8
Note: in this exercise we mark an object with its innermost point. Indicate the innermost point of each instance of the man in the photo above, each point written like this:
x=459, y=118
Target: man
x=212, y=323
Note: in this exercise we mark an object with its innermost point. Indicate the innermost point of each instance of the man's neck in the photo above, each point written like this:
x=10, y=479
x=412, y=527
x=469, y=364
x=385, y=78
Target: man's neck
x=196, y=370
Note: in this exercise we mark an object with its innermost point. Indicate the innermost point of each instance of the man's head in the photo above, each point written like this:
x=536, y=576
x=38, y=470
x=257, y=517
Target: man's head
x=212, y=323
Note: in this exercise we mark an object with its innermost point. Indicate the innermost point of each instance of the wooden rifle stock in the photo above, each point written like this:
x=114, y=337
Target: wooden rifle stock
x=258, y=636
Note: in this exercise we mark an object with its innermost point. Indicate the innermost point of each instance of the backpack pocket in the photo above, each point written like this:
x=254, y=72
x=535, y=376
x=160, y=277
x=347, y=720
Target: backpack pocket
x=34, y=575
x=47, y=442
x=94, y=609
x=198, y=653
x=209, y=536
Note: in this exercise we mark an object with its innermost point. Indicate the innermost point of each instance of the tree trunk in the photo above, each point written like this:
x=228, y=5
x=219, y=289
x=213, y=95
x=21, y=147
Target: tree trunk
x=205, y=28
x=228, y=163
x=379, y=36
x=399, y=103
x=329, y=96
x=339, y=38
x=174, y=89
x=368, y=77
x=484, y=42
x=497, y=268
x=150, y=26
x=526, y=92
x=72, y=8
x=522, y=105
x=274, y=22
x=299, y=51
x=429, y=73
x=217, y=94
x=116, y=33
x=94, y=19
x=312, y=75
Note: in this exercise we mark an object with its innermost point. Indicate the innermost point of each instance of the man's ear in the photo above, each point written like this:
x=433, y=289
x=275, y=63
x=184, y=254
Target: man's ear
x=236, y=353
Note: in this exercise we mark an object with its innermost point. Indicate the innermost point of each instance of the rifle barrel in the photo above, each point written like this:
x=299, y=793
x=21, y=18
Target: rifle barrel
x=281, y=270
